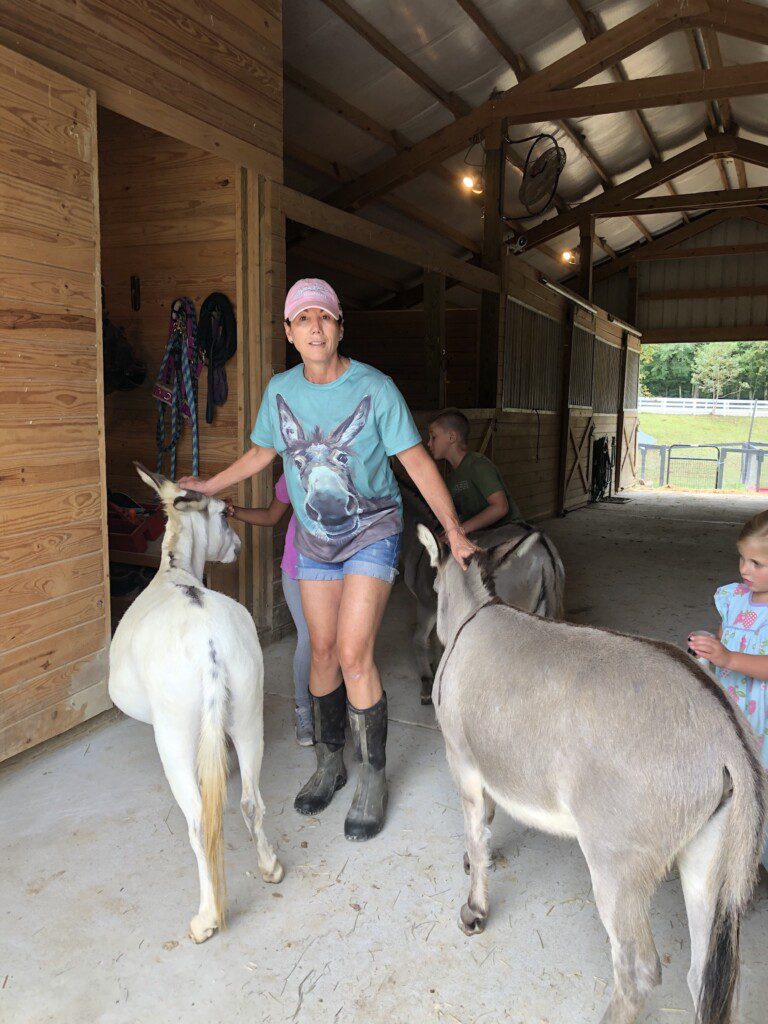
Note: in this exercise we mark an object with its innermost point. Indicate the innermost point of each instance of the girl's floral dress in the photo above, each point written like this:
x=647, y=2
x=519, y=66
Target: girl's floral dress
x=745, y=630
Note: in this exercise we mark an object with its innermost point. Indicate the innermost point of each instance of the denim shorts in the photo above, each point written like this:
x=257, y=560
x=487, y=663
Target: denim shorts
x=377, y=560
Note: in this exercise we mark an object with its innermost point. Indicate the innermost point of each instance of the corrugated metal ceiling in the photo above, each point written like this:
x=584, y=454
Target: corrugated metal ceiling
x=439, y=37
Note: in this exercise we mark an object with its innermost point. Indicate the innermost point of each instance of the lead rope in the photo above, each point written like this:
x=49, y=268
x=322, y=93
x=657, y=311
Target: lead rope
x=176, y=384
x=466, y=622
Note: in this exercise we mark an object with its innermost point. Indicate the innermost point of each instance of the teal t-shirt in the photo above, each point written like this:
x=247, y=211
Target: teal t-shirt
x=335, y=441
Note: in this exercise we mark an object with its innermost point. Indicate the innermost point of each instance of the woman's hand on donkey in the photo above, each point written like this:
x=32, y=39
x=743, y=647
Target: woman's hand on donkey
x=195, y=483
x=461, y=546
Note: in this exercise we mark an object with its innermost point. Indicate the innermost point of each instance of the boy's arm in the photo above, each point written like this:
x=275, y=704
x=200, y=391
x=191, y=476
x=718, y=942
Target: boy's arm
x=269, y=516
x=498, y=506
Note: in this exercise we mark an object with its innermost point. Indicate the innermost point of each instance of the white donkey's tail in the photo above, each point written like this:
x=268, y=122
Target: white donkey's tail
x=734, y=871
x=212, y=777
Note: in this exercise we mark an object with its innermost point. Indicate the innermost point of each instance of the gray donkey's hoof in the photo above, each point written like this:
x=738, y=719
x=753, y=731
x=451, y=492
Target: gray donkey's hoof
x=470, y=922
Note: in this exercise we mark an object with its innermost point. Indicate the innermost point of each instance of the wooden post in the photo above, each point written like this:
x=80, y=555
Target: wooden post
x=586, y=244
x=488, y=352
x=565, y=408
x=620, y=410
x=434, y=339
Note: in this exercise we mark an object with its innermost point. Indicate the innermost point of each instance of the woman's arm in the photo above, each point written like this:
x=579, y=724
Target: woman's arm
x=754, y=665
x=422, y=470
x=269, y=516
x=498, y=506
x=253, y=462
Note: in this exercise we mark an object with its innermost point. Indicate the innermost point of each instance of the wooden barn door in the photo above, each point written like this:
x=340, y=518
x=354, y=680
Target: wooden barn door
x=54, y=597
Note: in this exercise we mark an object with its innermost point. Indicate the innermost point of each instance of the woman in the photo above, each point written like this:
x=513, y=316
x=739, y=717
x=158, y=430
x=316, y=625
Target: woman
x=336, y=422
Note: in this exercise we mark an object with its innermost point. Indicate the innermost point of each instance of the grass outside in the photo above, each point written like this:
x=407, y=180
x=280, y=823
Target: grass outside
x=670, y=429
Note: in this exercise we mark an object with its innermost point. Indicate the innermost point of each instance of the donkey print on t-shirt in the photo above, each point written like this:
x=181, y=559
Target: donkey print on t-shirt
x=325, y=464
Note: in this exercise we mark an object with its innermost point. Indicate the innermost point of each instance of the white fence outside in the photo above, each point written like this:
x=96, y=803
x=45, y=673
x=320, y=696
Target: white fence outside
x=703, y=406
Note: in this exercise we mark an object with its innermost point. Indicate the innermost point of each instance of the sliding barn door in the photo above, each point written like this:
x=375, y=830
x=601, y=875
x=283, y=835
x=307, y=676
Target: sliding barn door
x=54, y=599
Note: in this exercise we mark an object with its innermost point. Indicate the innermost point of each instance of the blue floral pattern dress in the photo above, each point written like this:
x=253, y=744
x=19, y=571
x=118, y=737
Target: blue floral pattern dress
x=745, y=630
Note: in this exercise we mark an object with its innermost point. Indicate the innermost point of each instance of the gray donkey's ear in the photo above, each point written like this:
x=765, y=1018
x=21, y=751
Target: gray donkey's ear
x=431, y=543
x=153, y=480
x=517, y=548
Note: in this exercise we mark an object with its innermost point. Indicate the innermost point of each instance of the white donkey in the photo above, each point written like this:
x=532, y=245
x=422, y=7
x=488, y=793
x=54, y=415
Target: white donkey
x=624, y=743
x=187, y=661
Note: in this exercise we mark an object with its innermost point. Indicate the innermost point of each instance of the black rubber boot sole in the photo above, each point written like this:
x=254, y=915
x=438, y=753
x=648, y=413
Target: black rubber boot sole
x=309, y=810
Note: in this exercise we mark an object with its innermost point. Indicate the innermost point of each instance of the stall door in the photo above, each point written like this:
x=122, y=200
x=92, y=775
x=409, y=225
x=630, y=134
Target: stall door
x=54, y=600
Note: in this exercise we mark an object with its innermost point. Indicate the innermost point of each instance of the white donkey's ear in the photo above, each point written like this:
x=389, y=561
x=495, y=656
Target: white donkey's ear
x=153, y=480
x=430, y=542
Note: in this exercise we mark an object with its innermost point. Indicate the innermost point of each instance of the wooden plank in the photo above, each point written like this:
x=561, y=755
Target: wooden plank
x=29, y=283
x=54, y=719
x=26, y=664
x=21, y=78
x=39, y=584
x=676, y=335
x=30, y=697
x=27, y=626
x=19, y=401
x=703, y=251
x=714, y=200
x=59, y=134
x=42, y=244
x=35, y=204
x=79, y=436
x=46, y=546
x=150, y=107
x=50, y=509
x=316, y=214
x=43, y=166
x=29, y=360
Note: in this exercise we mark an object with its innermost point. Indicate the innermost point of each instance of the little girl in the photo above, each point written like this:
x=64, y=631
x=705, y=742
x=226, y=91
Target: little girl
x=270, y=517
x=741, y=659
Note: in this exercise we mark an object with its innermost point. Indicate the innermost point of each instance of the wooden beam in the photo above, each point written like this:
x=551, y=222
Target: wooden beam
x=434, y=339
x=728, y=292
x=643, y=28
x=317, y=253
x=493, y=37
x=457, y=106
x=733, y=18
x=714, y=200
x=640, y=183
x=702, y=252
x=319, y=215
x=339, y=172
x=662, y=243
x=586, y=240
x=683, y=335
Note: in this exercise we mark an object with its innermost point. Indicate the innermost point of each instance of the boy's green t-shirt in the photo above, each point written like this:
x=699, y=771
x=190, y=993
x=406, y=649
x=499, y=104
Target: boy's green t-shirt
x=470, y=484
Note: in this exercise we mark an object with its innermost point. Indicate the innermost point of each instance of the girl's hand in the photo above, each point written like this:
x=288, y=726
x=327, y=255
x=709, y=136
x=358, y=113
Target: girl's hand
x=461, y=546
x=229, y=508
x=194, y=483
x=711, y=649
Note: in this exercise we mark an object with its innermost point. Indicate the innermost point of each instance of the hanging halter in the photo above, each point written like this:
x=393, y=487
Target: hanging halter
x=176, y=383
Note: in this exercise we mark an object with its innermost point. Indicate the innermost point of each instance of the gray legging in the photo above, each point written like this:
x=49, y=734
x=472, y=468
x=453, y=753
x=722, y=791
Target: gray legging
x=301, y=655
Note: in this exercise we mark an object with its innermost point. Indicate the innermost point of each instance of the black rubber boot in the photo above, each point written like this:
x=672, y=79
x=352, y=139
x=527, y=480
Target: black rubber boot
x=369, y=804
x=328, y=714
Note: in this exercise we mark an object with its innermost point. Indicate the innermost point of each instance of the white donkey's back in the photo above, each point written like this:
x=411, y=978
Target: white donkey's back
x=187, y=661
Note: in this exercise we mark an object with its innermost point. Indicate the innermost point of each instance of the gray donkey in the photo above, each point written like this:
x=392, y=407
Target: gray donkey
x=622, y=742
x=534, y=583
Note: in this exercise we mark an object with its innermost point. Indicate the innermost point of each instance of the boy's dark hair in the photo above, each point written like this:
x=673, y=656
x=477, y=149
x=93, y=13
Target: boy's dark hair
x=453, y=419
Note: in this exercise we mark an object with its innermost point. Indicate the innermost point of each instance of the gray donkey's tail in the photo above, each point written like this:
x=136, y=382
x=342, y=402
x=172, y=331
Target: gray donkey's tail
x=554, y=581
x=733, y=871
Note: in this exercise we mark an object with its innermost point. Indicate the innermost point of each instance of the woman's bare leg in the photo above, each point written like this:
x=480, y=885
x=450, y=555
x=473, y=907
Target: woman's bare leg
x=321, y=600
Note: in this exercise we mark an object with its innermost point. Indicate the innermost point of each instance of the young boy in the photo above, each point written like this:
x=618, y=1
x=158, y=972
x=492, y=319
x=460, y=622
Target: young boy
x=478, y=491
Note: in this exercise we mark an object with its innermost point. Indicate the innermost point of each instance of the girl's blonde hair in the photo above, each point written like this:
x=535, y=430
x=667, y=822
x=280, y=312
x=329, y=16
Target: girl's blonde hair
x=755, y=528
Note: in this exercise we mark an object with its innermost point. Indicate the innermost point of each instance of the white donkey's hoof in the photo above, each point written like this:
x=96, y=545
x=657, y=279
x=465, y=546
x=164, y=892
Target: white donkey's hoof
x=274, y=874
x=470, y=922
x=200, y=929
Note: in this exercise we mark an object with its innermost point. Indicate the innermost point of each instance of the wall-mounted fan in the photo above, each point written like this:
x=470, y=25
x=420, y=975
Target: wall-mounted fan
x=541, y=172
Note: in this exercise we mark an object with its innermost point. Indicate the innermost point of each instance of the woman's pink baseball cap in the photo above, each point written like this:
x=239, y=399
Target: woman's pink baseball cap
x=311, y=292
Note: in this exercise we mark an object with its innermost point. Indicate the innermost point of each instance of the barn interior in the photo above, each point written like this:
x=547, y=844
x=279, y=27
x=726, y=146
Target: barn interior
x=616, y=162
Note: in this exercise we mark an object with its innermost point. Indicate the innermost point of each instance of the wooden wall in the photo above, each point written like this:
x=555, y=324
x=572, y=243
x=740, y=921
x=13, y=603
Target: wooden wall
x=53, y=600
x=394, y=342
x=208, y=73
x=168, y=216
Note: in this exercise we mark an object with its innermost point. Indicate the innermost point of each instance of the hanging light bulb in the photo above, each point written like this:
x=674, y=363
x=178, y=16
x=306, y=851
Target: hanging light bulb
x=567, y=256
x=468, y=181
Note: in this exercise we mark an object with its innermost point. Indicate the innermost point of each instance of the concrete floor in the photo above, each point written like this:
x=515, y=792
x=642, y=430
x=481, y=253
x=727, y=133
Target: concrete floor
x=98, y=880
